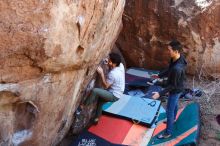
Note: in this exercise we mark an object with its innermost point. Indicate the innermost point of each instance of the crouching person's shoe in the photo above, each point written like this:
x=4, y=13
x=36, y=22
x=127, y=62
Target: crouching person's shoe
x=163, y=136
x=96, y=121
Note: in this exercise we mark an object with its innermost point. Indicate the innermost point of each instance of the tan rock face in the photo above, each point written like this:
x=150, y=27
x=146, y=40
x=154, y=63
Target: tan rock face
x=149, y=25
x=49, y=51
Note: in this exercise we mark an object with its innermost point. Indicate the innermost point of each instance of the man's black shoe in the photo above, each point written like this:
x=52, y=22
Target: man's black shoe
x=163, y=136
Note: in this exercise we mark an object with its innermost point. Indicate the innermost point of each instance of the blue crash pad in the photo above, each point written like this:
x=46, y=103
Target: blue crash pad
x=140, y=72
x=141, y=110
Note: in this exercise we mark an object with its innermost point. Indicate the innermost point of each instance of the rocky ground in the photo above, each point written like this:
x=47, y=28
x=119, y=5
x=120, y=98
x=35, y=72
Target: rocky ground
x=210, y=108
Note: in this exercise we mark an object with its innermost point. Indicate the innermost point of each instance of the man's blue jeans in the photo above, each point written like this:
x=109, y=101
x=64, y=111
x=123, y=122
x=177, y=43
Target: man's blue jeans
x=172, y=108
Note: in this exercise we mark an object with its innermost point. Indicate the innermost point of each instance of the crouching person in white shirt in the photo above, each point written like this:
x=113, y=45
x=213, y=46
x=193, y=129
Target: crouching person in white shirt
x=114, y=85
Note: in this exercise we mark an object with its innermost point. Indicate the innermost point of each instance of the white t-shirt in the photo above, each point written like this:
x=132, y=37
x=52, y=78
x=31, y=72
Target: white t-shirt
x=116, y=77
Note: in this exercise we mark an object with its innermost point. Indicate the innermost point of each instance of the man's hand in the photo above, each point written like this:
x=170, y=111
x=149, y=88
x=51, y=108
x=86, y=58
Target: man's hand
x=100, y=70
x=154, y=76
x=152, y=82
x=155, y=95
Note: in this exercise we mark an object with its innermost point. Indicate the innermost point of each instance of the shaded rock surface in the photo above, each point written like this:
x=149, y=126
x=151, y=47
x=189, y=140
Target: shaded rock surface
x=150, y=25
x=83, y=117
x=49, y=51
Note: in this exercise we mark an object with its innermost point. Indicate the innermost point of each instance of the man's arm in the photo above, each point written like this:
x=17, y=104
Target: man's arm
x=104, y=82
x=161, y=82
x=163, y=73
x=175, y=75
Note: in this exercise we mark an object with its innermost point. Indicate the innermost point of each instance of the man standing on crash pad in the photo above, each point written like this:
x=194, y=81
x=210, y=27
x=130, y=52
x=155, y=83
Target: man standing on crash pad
x=114, y=84
x=174, y=85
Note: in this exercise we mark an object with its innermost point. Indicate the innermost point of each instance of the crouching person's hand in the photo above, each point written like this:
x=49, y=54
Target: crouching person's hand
x=100, y=70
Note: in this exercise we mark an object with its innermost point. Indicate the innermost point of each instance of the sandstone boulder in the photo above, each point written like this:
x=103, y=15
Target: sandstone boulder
x=49, y=51
x=150, y=25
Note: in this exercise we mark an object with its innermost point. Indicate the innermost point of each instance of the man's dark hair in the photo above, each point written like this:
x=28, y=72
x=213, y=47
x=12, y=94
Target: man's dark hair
x=115, y=58
x=176, y=45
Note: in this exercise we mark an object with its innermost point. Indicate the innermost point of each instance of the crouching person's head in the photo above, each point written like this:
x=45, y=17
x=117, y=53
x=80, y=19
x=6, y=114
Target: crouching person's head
x=114, y=60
